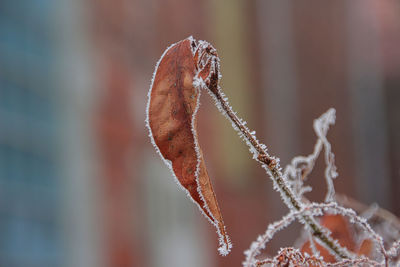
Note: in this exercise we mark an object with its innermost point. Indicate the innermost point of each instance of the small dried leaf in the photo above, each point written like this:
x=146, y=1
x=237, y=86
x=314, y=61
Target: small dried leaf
x=341, y=231
x=171, y=119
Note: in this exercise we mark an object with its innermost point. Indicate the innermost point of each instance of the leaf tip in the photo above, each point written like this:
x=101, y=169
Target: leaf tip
x=225, y=247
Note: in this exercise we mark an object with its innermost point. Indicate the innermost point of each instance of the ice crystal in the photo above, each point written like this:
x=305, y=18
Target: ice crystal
x=300, y=167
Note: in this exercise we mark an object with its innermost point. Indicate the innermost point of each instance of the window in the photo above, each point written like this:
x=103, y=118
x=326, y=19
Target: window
x=29, y=199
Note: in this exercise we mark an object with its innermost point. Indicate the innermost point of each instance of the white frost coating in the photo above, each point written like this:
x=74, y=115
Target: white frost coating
x=354, y=218
x=252, y=149
x=300, y=167
x=313, y=209
x=198, y=83
x=321, y=127
x=354, y=262
x=304, y=237
x=312, y=244
x=294, y=176
x=395, y=249
x=296, y=258
x=259, y=244
x=202, y=84
x=166, y=161
x=291, y=257
x=278, y=188
x=147, y=121
x=272, y=229
x=224, y=248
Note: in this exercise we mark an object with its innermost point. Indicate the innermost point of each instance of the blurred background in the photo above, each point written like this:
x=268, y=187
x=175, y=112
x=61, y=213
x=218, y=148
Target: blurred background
x=80, y=183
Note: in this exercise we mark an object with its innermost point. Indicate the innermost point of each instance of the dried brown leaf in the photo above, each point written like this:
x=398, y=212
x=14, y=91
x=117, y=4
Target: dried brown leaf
x=171, y=119
x=342, y=232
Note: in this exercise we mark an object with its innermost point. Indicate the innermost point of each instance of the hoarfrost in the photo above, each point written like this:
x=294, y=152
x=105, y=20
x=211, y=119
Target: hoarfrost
x=224, y=247
x=262, y=240
x=300, y=167
x=395, y=249
x=290, y=184
x=294, y=176
x=312, y=244
x=147, y=120
x=315, y=209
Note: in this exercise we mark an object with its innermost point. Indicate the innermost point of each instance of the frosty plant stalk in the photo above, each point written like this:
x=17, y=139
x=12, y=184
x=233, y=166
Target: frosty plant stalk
x=272, y=166
x=186, y=68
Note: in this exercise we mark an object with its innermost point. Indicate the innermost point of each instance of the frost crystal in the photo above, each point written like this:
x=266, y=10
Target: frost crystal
x=294, y=176
x=300, y=167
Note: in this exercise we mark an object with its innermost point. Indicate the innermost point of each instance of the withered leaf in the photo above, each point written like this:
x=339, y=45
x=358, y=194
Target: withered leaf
x=341, y=231
x=171, y=119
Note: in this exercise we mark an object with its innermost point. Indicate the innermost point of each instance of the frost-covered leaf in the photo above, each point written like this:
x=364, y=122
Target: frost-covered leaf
x=341, y=231
x=171, y=119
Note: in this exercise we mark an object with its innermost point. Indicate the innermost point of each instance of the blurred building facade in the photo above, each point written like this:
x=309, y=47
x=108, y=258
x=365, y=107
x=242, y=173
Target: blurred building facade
x=29, y=143
x=80, y=183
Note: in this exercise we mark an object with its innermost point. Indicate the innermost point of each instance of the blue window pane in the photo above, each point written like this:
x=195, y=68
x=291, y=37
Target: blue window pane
x=29, y=188
x=25, y=241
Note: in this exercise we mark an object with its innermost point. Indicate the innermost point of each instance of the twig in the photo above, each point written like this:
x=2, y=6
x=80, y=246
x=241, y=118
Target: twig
x=271, y=164
x=359, y=207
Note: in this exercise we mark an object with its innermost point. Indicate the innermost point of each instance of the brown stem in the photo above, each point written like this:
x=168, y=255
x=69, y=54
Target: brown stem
x=274, y=170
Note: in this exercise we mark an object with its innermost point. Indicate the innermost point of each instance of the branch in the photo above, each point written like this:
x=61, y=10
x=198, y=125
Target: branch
x=272, y=166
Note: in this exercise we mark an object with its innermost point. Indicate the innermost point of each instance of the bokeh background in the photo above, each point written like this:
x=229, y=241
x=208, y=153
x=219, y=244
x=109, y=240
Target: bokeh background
x=80, y=183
